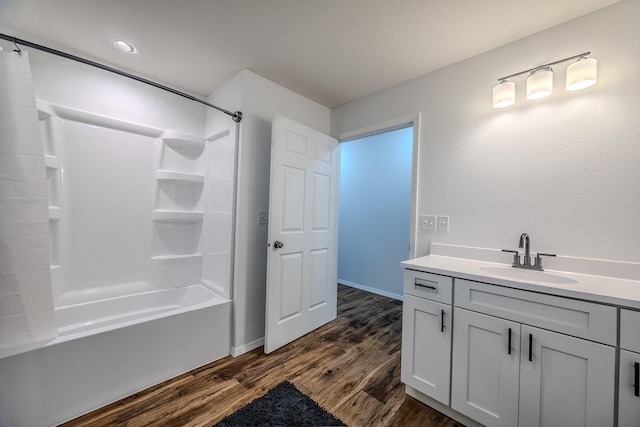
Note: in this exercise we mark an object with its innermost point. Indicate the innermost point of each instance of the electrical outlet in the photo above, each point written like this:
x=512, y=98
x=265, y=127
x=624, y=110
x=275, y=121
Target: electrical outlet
x=443, y=223
x=428, y=222
x=263, y=217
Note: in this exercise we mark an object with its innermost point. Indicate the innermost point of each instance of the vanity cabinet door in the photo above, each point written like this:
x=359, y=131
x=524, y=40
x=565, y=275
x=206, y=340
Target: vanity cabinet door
x=426, y=347
x=629, y=392
x=485, y=368
x=565, y=381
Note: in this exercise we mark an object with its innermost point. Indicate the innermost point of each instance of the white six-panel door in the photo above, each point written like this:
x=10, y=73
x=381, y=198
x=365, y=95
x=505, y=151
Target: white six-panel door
x=302, y=247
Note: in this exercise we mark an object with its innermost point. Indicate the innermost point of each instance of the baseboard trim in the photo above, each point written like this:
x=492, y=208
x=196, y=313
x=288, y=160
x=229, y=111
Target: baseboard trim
x=370, y=289
x=237, y=351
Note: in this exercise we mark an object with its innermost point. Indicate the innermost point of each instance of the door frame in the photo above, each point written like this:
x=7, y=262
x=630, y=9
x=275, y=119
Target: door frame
x=388, y=126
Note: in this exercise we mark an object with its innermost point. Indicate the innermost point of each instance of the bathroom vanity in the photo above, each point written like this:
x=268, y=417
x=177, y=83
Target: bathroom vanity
x=492, y=345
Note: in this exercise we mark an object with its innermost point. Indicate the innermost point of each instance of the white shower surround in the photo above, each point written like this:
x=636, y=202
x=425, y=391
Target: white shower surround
x=134, y=211
x=130, y=204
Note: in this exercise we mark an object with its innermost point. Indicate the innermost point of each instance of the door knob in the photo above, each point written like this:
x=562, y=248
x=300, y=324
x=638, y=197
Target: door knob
x=278, y=244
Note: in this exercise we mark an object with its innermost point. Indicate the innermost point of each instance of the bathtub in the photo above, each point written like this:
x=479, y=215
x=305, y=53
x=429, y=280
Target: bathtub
x=111, y=348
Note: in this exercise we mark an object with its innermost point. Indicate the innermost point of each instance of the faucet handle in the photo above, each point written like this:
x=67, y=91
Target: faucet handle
x=538, y=263
x=516, y=257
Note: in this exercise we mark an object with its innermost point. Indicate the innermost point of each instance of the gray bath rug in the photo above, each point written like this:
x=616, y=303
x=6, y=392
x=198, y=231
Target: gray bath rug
x=284, y=405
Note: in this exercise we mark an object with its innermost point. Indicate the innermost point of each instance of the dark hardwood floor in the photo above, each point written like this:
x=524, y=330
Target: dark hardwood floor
x=350, y=366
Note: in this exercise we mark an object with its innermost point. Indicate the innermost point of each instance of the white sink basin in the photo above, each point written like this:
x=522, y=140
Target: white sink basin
x=528, y=275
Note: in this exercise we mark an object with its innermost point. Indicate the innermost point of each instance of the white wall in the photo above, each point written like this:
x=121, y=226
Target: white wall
x=564, y=169
x=260, y=99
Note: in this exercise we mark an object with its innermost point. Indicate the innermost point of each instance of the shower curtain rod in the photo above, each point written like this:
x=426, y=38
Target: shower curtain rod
x=236, y=116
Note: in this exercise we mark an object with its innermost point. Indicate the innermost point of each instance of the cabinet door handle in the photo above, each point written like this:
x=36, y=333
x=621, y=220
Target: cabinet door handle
x=530, y=347
x=636, y=375
x=509, y=344
x=442, y=321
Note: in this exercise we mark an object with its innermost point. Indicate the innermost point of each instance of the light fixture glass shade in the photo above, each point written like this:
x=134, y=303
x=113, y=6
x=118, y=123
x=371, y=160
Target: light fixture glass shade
x=582, y=74
x=540, y=83
x=504, y=94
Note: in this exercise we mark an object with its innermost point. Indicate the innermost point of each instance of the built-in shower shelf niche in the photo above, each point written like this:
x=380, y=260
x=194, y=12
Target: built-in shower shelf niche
x=162, y=215
x=53, y=181
x=180, y=197
x=180, y=178
x=54, y=213
x=180, y=142
x=173, y=270
x=51, y=162
x=180, y=237
x=182, y=153
x=44, y=110
x=177, y=216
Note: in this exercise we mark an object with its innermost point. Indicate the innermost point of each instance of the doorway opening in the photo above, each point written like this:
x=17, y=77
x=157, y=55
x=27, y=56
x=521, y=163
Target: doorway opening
x=375, y=211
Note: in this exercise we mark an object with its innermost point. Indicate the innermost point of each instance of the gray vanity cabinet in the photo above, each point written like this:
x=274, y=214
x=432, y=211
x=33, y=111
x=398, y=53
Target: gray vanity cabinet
x=515, y=362
x=629, y=384
x=564, y=381
x=528, y=348
x=426, y=334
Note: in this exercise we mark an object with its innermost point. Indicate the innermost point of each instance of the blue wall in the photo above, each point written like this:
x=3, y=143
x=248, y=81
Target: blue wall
x=374, y=212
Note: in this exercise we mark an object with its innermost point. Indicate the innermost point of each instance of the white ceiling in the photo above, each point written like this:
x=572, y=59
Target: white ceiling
x=331, y=51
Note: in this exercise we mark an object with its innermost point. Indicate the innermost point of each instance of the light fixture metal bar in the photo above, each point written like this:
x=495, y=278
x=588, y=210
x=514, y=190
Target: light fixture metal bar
x=236, y=116
x=544, y=65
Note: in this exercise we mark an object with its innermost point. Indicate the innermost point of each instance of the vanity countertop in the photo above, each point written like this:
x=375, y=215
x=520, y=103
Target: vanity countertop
x=602, y=289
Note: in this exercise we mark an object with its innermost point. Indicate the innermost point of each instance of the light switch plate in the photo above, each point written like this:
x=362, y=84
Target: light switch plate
x=443, y=223
x=263, y=217
x=428, y=222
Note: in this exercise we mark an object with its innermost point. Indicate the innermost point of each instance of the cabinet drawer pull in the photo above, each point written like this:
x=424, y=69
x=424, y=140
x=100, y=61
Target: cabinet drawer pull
x=442, y=322
x=509, y=344
x=636, y=375
x=530, y=347
x=427, y=284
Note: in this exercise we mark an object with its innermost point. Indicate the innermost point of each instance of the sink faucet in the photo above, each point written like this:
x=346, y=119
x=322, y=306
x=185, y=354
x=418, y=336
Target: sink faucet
x=525, y=243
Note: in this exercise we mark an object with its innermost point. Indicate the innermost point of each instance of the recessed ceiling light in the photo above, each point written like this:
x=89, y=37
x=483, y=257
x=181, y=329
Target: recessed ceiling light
x=124, y=46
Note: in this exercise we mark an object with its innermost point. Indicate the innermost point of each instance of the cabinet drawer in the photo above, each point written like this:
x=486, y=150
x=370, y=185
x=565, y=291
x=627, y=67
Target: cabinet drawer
x=591, y=321
x=629, y=327
x=429, y=286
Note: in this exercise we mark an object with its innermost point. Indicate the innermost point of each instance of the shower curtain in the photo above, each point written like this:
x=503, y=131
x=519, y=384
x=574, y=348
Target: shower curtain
x=26, y=301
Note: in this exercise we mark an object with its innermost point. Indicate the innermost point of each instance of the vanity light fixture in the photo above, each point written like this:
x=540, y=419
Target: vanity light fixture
x=580, y=75
x=504, y=94
x=124, y=46
x=540, y=83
